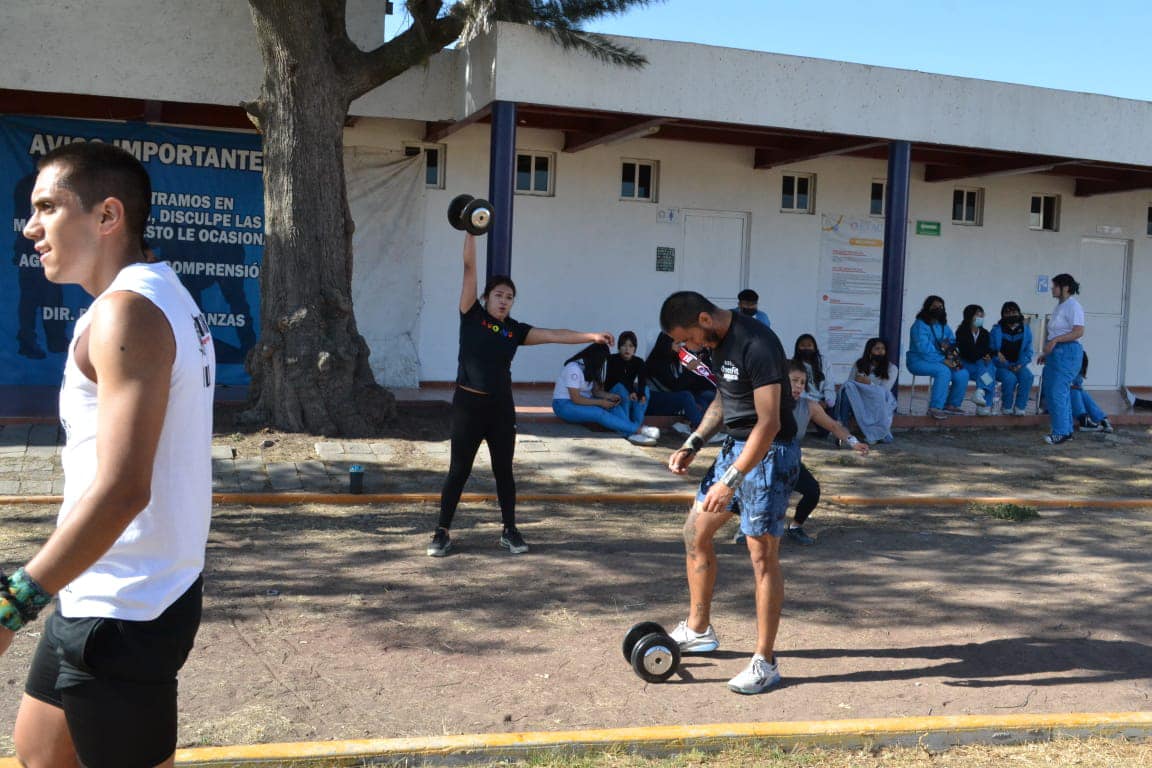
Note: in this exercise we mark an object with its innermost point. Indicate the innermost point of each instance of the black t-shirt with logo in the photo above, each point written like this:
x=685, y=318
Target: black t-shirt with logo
x=487, y=346
x=751, y=356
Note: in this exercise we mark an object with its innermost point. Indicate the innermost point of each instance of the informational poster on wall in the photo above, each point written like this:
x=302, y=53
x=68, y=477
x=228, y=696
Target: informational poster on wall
x=207, y=222
x=851, y=276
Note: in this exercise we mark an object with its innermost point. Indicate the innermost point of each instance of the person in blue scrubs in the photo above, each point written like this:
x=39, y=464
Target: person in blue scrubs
x=932, y=352
x=1012, y=350
x=1089, y=416
x=1063, y=356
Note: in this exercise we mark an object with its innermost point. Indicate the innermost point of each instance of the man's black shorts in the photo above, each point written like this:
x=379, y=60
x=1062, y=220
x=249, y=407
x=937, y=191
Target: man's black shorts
x=116, y=681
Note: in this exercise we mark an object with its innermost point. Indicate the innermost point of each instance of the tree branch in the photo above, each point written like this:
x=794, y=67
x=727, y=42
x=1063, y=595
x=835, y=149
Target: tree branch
x=413, y=46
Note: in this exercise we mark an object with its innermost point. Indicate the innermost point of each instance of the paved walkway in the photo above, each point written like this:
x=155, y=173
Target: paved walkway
x=550, y=456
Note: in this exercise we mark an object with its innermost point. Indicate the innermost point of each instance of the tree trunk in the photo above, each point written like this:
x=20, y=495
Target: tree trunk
x=310, y=369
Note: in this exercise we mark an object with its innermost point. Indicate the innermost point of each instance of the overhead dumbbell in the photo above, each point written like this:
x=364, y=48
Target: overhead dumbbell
x=470, y=214
x=651, y=651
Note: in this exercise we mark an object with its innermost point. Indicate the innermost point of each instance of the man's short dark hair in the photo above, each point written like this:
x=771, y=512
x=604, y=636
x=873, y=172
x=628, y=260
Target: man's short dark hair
x=682, y=310
x=94, y=171
x=748, y=295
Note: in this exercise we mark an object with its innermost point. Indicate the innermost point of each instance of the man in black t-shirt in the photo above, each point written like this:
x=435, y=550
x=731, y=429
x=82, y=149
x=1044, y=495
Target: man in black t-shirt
x=753, y=475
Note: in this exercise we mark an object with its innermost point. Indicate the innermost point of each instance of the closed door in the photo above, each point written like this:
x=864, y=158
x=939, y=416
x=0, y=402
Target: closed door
x=715, y=254
x=1103, y=277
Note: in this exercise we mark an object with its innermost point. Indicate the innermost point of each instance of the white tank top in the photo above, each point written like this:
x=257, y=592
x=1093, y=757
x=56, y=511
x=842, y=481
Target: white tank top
x=161, y=553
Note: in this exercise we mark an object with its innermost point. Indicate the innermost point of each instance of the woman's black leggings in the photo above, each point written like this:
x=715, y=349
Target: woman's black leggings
x=809, y=490
x=476, y=418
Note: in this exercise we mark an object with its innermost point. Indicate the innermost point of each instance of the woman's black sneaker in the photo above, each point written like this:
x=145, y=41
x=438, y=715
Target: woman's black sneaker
x=441, y=543
x=1056, y=439
x=512, y=541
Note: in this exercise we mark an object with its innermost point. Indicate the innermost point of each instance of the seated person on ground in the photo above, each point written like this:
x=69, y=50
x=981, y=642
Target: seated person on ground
x=1085, y=412
x=819, y=387
x=579, y=397
x=866, y=396
x=625, y=377
x=670, y=385
x=1011, y=345
x=975, y=348
x=932, y=352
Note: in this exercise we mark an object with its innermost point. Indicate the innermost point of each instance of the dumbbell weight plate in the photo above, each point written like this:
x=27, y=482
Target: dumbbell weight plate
x=456, y=210
x=656, y=657
x=635, y=633
x=477, y=216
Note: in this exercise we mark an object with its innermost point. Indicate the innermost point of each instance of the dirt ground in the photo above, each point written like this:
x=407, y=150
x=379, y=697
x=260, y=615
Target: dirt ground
x=327, y=622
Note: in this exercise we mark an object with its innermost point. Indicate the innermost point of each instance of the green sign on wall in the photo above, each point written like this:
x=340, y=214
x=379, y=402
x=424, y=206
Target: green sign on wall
x=928, y=228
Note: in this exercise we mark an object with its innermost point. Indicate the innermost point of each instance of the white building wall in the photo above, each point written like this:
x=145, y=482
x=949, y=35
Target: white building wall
x=585, y=260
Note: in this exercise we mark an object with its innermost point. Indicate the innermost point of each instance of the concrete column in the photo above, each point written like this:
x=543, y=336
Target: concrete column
x=895, y=246
x=501, y=186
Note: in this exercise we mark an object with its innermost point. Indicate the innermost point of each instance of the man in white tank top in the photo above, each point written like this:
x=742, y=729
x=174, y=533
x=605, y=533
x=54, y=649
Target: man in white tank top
x=126, y=556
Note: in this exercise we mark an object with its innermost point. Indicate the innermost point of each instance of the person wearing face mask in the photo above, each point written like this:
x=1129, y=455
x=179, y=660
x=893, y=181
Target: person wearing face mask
x=975, y=349
x=1087, y=415
x=866, y=396
x=1063, y=356
x=819, y=387
x=932, y=352
x=748, y=303
x=1011, y=345
x=482, y=406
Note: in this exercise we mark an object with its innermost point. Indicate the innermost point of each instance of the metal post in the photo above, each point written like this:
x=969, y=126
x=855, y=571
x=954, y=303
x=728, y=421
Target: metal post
x=501, y=186
x=895, y=245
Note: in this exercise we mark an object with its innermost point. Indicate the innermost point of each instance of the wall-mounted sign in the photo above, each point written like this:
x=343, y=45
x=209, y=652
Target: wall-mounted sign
x=1042, y=285
x=928, y=228
x=665, y=259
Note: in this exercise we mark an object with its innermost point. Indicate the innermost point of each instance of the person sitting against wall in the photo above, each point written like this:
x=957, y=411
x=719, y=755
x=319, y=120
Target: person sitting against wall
x=866, y=396
x=1011, y=344
x=579, y=397
x=625, y=377
x=932, y=352
x=1088, y=416
x=819, y=387
x=671, y=386
x=748, y=303
x=974, y=346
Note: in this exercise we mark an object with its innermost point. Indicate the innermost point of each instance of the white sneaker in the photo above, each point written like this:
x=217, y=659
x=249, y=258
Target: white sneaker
x=1130, y=396
x=641, y=439
x=978, y=398
x=694, y=642
x=983, y=410
x=681, y=428
x=653, y=432
x=757, y=677
x=1019, y=411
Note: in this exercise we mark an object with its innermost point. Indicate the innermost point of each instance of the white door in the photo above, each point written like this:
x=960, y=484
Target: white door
x=1103, y=277
x=715, y=254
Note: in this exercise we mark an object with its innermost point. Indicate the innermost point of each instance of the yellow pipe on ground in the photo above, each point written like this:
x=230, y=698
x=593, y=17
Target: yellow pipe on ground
x=939, y=732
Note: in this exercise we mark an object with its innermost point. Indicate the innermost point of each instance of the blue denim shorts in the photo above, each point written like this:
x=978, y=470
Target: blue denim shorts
x=762, y=499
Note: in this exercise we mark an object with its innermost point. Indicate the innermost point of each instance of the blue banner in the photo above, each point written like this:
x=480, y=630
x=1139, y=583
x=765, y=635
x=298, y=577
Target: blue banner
x=207, y=221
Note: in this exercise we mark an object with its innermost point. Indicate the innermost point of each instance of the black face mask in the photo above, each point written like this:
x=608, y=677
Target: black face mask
x=878, y=359
x=939, y=315
x=748, y=311
x=808, y=355
x=1013, y=321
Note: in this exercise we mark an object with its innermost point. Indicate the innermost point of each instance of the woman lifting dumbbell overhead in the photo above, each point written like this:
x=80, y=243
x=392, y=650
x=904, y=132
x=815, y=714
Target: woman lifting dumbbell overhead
x=482, y=406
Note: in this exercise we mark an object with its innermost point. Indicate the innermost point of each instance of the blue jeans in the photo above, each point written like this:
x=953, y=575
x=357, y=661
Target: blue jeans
x=615, y=419
x=976, y=371
x=948, y=384
x=1061, y=369
x=675, y=404
x=1083, y=404
x=762, y=499
x=633, y=409
x=1015, y=387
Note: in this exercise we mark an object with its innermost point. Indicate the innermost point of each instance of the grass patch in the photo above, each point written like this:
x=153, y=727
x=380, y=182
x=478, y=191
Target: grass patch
x=1013, y=512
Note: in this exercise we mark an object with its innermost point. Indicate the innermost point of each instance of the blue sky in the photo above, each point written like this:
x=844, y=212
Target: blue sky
x=1098, y=47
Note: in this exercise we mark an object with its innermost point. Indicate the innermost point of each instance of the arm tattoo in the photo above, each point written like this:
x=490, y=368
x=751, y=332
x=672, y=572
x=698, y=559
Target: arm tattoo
x=713, y=419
